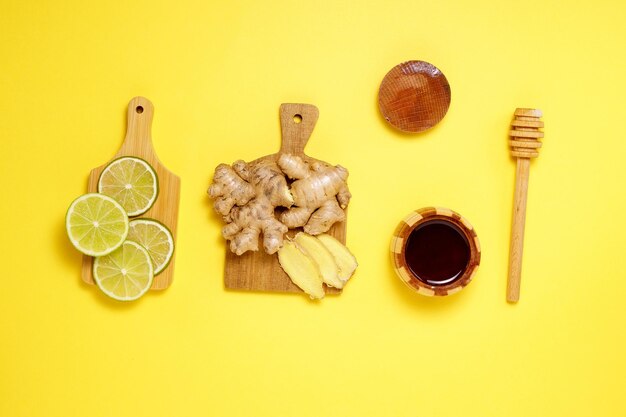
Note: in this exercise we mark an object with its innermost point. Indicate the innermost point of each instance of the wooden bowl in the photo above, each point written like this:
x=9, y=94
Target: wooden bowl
x=414, y=96
x=435, y=251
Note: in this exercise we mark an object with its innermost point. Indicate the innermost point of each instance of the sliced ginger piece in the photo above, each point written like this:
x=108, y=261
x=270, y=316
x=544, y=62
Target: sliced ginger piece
x=346, y=262
x=325, y=260
x=302, y=270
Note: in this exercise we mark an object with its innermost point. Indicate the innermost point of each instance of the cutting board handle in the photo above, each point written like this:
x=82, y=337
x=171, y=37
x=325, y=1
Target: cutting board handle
x=139, y=128
x=297, y=122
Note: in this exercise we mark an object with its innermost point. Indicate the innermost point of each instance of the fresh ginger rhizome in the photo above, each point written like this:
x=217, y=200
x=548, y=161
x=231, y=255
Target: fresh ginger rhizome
x=267, y=198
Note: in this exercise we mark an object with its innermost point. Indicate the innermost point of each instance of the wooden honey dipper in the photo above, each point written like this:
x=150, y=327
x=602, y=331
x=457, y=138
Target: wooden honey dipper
x=525, y=144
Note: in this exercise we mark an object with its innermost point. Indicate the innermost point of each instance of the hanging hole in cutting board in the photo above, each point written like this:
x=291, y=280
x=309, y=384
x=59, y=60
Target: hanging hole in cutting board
x=297, y=118
x=139, y=109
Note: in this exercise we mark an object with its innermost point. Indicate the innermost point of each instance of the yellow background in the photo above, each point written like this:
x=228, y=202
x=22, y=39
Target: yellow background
x=216, y=73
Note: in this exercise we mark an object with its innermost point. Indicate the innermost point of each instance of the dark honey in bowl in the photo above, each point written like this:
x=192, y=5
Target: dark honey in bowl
x=437, y=252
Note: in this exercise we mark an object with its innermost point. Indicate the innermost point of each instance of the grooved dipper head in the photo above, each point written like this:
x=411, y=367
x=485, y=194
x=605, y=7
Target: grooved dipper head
x=525, y=133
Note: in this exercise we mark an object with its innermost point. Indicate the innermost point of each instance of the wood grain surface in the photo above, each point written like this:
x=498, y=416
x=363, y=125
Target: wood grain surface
x=258, y=271
x=414, y=96
x=138, y=142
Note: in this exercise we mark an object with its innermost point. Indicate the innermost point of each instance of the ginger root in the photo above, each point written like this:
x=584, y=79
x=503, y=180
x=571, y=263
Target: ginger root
x=324, y=259
x=246, y=195
x=229, y=189
x=310, y=261
x=302, y=270
x=346, y=262
x=320, y=193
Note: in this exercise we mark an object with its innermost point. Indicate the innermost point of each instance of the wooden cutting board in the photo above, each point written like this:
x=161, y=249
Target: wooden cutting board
x=138, y=142
x=257, y=271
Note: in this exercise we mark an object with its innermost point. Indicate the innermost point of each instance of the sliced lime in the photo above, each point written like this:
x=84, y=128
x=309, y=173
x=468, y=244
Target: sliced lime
x=156, y=238
x=126, y=273
x=132, y=182
x=96, y=224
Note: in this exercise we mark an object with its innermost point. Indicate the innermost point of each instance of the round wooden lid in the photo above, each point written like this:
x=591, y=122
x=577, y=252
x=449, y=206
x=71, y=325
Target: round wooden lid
x=414, y=96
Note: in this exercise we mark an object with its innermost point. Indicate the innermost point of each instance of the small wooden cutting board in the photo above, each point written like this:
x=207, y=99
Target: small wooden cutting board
x=258, y=271
x=138, y=142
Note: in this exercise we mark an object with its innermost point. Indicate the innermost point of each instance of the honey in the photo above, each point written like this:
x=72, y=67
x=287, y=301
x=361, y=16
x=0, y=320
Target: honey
x=437, y=252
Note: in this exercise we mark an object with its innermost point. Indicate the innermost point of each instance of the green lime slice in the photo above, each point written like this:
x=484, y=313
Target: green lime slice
x=96, y=224
x=126, y=273
x=156, y=238
x=132, y=182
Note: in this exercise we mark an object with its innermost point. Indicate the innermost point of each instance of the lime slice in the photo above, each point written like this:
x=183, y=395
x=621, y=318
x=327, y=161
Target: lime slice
x=126, y=273
x=132, y=182
x=96, y=224
x=156, y=238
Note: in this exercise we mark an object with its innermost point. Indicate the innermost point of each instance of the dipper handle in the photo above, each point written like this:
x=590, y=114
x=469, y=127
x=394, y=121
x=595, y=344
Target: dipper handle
x=524, y=142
